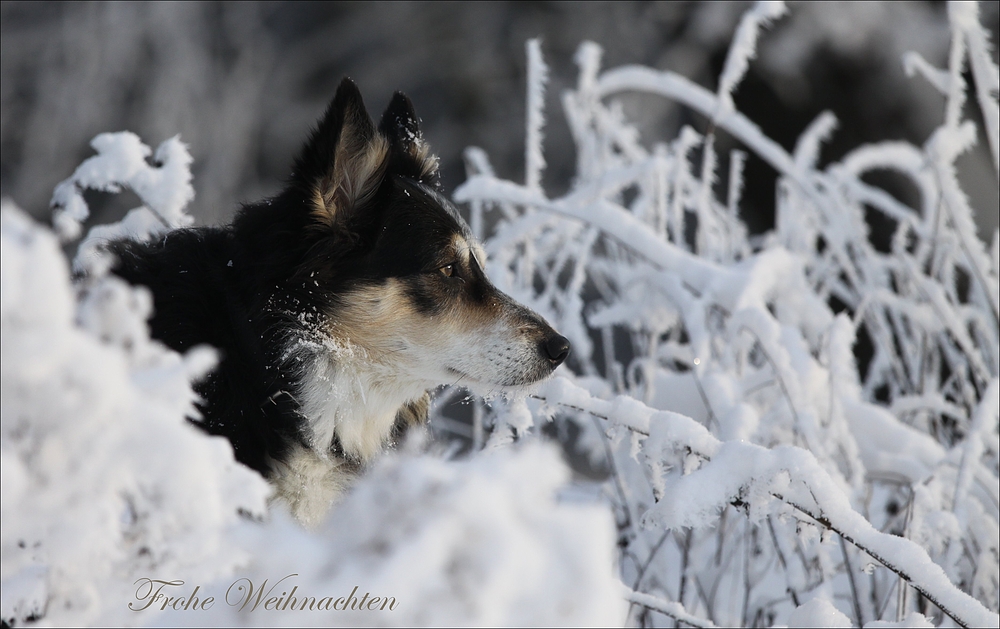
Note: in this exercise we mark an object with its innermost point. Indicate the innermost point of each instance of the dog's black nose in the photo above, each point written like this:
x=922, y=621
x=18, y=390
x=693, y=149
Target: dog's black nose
x=556, y=349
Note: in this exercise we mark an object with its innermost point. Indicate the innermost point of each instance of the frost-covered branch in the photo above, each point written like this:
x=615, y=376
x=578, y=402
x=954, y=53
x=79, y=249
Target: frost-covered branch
x=537, y=78
x=744, y=48
x=674, y=610
x=919, y=572
x=726, y=370
x=729, y=482
x=122, y=160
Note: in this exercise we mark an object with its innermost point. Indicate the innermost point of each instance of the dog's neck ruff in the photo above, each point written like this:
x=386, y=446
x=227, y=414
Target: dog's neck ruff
x=345, y=395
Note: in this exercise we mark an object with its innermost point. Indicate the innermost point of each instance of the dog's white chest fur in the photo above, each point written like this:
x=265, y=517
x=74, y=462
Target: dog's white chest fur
x=354, y=401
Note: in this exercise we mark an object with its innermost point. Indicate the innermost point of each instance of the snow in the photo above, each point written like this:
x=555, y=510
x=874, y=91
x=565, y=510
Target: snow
x=757, y=474
x=93, y=429
x=94, y=433
x=744, y=48
x=674, y=610
x=913, y=619
x=783, y=424
x=537, y=78
x=818, y=612
x=737, y=470
x=479, y=542
x=122, y=160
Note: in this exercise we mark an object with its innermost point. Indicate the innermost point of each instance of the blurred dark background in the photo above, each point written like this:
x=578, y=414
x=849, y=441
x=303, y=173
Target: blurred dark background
x=243, y=82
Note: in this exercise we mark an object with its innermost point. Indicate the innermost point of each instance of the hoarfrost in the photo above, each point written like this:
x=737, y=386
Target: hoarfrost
x=799, y=428
x=760, y=340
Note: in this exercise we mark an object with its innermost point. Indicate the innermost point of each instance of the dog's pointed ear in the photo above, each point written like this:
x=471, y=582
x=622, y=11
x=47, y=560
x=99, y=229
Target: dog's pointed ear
x=344, y=161
x=402, y=128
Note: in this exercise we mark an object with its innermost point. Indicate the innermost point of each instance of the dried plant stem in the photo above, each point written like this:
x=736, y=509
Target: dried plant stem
x=783, y=561
x=854, y=589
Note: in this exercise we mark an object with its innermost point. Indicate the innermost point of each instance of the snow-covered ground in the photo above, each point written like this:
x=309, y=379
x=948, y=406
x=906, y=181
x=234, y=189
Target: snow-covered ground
x=799, y=428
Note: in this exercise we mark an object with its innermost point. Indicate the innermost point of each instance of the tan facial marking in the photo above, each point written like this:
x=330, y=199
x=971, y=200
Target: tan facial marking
x=376, y=351
x=461, y=247
x=468, y=251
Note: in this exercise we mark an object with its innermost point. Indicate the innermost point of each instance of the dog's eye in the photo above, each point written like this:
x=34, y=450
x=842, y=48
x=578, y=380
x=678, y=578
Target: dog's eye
x=447, y=270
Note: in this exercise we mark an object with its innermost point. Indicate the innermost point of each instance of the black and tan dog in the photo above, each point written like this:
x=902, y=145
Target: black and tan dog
x=337, y=305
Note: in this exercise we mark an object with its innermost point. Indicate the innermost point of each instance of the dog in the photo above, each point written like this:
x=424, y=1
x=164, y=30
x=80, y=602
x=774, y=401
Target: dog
x=336, y=307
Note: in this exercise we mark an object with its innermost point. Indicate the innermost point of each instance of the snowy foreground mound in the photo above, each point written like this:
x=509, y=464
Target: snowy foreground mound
x=105, y=487
x=797, y=428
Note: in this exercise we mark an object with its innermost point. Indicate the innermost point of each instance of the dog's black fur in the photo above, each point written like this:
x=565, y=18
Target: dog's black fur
x=247, y=288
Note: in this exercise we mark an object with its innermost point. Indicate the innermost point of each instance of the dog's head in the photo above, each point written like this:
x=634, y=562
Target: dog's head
x=393, y=270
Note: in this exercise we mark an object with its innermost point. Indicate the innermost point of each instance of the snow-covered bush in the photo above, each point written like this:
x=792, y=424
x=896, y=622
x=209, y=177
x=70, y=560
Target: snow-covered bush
x=794, y=475
x=110, y=497
x=101, y=477
x=758, y=472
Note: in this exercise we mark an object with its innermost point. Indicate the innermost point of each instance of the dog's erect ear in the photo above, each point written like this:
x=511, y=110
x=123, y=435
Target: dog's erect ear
x=344, y=160
x=401, y=126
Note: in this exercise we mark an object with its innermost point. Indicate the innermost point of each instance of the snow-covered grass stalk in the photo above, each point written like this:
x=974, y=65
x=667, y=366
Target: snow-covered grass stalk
x=538, y=73
x=838, y=390
x=744, y=48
